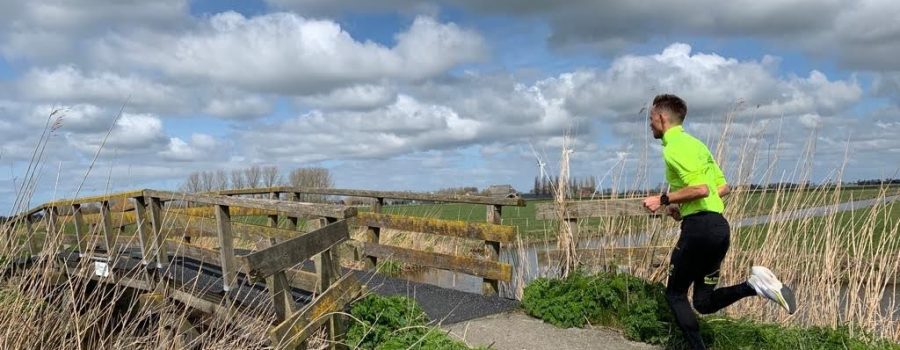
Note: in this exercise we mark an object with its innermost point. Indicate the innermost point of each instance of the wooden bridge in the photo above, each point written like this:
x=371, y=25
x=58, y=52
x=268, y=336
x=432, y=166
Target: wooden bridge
x=287, y=271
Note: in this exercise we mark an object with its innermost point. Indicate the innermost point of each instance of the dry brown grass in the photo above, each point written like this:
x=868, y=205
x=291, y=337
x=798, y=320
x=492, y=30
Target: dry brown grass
x=843, y=271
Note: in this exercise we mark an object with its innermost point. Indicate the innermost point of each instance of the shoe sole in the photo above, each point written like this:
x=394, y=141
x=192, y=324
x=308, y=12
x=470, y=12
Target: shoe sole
x=790, y=302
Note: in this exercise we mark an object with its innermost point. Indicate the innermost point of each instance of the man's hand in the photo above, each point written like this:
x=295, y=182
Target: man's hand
x=652, y=203
x=674, y=211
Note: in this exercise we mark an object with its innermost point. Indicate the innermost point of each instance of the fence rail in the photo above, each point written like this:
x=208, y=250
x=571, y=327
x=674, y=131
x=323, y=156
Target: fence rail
x=98, y=235
x=273, y=262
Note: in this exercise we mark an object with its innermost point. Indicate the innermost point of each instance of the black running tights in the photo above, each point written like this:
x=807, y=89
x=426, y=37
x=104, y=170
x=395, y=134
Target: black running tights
x=696, y=260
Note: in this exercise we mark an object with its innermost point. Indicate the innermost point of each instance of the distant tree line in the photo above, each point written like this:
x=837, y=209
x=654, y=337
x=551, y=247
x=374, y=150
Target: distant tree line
x=877, y=182
x=460, y=191
x=258, y=176
x=577, y=187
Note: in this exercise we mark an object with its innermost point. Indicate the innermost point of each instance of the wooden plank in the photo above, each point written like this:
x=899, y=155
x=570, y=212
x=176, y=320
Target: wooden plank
x=296, y=278
x=475, y=267
x=31, y=241
x=273, y=218
x=109, y=238
x=266, y=262
x=373, y=233
x=286, y=207
x=203, y=226
x=158, y=234
x=226, y=248
x=491, y=251
x=99, y=198
x=329, y=269
x=279, y=289
x=384, y=194
x=81, y=230
x=594, y=209
x=293, y=331
x=454, y=228
x=413, y=196
x=144, y=229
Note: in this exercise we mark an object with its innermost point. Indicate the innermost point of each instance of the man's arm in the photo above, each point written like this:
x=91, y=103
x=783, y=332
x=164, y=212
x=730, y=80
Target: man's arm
x=686, y=194
x=724, y=190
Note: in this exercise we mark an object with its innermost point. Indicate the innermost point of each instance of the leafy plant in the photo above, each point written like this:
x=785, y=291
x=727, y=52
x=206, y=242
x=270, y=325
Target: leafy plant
x=640, y=310
x=395, y=323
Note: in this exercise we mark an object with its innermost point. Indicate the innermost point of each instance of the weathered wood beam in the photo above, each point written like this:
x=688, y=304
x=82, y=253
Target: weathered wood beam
x=293, y=331
x=109, y=238
x=266, y=262
x=384, y=194
x=226, y=248
x=144, y=229
x=373, y=232
x=206, y=227
x=158, y=234
x=296, y=278
x=455, y=228
x=476, y=267
x=93, y=199
x=286, y=207
x=593, y=209
x=492, y=250
x=279, y=289
x=81, y=230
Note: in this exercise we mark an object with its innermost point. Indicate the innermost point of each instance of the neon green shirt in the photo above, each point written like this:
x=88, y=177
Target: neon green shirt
x=689, y=163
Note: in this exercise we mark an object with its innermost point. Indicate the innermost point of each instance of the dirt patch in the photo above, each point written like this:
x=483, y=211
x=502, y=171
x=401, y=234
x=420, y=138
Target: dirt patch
x=517, y=331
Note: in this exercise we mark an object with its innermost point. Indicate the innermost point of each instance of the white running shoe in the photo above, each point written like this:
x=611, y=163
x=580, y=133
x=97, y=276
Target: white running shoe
x=767, y=285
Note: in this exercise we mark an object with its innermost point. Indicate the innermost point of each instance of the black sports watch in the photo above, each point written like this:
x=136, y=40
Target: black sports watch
x=664, y=199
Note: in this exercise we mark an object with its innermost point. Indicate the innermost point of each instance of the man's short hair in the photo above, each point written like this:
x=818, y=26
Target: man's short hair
x=671, y=103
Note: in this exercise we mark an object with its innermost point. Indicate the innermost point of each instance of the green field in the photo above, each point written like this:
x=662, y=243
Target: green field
x=851, y=229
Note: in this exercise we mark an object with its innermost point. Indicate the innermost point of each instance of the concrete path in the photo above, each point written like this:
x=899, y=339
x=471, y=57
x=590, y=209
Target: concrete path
x=517, y=331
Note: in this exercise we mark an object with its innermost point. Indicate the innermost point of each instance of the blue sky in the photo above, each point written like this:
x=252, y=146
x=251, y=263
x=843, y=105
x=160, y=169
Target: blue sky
x=412, y=95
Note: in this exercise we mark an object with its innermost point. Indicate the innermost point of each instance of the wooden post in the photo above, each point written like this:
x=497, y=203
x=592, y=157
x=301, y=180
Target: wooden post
x=81, y=231
x=279, y=288
x=30, y=240
x=109, y=237
x=295, y=221
x=373, y=234
x=491, y=251
x=9, y=233
x=52, y=214
x=226, y=250
x=144, y=229
x=329, y=270
x=273, y=218
x=158, y=236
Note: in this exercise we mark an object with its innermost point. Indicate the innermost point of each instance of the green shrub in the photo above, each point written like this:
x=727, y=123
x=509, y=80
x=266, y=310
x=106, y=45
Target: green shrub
x=640, y=310
x=394, y=323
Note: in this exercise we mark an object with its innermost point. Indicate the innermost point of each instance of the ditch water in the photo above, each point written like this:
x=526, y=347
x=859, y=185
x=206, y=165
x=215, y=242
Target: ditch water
x=535, y=260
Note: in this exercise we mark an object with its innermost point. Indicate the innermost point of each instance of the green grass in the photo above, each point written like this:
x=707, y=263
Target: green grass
x=847, y=225
x=639, y=309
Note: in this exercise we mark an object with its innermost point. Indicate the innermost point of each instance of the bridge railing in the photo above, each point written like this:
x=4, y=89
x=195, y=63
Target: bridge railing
x=492, y=234
x=272, y=261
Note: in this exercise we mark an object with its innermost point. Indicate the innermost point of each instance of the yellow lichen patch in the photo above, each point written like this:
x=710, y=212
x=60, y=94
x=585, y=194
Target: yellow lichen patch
x=455, y=228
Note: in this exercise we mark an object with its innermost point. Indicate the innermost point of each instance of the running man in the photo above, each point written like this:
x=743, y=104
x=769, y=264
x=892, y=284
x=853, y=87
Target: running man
x=697, y=187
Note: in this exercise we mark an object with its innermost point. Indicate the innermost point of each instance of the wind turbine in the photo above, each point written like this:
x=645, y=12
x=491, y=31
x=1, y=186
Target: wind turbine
x=540, y=162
